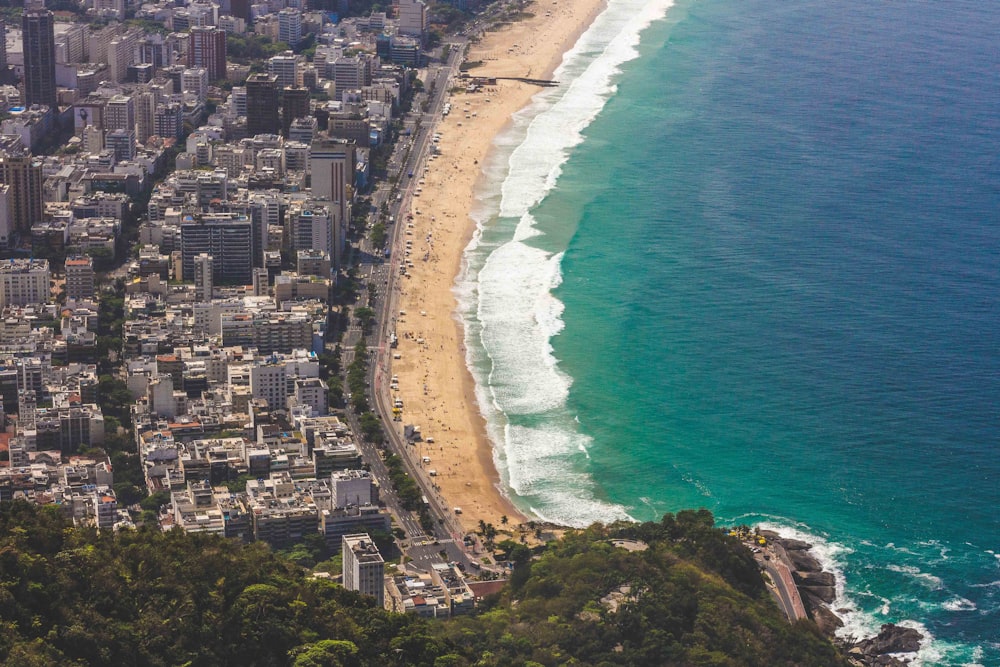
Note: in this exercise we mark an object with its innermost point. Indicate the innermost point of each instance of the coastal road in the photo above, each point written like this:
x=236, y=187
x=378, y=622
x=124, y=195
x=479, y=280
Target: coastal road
x=379, y=290
x=447, y=527
x=784, y=589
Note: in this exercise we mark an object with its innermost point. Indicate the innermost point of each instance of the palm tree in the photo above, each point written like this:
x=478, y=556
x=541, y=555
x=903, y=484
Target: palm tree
x=503, y=520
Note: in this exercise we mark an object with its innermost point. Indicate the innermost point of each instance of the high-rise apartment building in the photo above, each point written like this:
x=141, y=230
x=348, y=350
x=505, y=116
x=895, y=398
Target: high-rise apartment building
x=364, y=569
x=208, y=50
x=122, y=142
x=412, y=18
x=119, y=113
x=79, y=278
x=262, y=104
x=168, y=120
x=238, y=101
x=204, y=277
x=23, y=173
x=351, y=73
x=121, y=55
x=24, y=282
x=195, y=80
x=3, y=45
x=290, y=27
x=269, y=381
x=6, y=217
x=294, y=104
x=39, y=57
x=71, y=45
x=285, y=67
x=228, y=239
x=331, y=164
x=145, y=110
x=332, y=167
x=310, y=229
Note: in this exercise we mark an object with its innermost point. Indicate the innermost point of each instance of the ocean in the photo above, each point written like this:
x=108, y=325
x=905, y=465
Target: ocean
x=747, y=257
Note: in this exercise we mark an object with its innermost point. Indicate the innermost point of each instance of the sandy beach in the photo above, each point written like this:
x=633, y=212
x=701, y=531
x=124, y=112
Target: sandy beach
x=434, y=383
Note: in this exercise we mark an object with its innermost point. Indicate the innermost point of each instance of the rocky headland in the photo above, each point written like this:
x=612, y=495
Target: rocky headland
x=818, y=590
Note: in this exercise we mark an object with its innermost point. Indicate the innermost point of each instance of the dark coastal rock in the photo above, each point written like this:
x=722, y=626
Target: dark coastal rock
x=823, y=594
x=892, y=639
x=827, y=622
x=803, y=562
x=795, y=545
x=817, y=589
x=825, y=579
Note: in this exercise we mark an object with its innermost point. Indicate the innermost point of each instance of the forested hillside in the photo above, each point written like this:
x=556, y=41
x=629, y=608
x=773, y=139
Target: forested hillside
x=693, y=597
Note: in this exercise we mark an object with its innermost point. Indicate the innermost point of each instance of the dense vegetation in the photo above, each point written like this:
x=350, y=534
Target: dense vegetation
x=73, y=597
x=693, y=597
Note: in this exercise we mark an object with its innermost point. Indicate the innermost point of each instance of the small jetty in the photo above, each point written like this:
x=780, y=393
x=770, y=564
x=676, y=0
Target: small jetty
x=545, y=83
x=492, y=80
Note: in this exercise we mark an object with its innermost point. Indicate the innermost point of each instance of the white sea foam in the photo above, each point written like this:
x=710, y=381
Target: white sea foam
x=505, y=289
x=558, y=118
x=959, y=604
x=518, y=317
x=929, y=580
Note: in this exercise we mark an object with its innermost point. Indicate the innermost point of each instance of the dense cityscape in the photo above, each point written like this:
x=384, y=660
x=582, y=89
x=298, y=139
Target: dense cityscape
x=184, y=192
x=207, y=239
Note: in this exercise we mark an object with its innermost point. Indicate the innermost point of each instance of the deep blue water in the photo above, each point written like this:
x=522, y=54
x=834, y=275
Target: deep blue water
x=780, y=298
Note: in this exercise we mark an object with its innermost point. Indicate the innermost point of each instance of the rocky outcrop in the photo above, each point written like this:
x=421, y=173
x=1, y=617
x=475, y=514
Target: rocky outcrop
x=891, y=639
x=825, y=579
x=816, y=587
x=827, y=621
x=818, y=591
x=803, y=561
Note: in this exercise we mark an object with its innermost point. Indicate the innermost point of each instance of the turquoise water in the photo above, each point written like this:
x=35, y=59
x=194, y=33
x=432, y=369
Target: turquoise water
x=753, y=264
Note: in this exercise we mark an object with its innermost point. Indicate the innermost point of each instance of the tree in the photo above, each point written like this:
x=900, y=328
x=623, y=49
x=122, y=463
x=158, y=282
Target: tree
x=371, y=428
x=326, y=653
x=378, y=235
x=364, y=315
x=104, y=258
x=128, y=493
x=154, y=501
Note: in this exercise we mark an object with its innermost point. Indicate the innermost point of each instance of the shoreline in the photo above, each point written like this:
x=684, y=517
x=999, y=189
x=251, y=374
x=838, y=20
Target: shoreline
x=435, y=383
x=462, y=150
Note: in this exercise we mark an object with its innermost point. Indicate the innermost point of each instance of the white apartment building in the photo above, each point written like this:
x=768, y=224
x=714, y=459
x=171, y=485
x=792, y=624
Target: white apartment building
x=285, y=67
x=24, y=282
x=351, y=487
x=290, y=27
x=195, y=80
x=270, y=382
x=364, y=569
x=412, y=18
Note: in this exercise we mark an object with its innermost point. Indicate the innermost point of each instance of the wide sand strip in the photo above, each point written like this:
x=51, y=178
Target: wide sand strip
x=434, y=381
